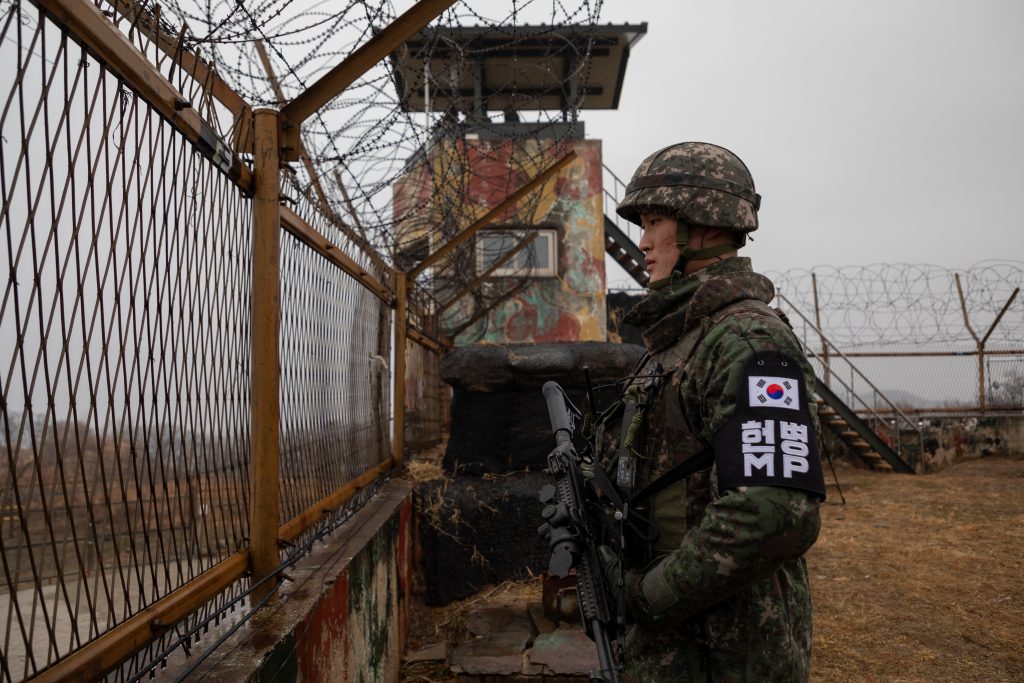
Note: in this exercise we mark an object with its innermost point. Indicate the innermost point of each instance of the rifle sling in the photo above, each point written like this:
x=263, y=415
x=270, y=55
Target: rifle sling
x=606, y=486
x=687, y=467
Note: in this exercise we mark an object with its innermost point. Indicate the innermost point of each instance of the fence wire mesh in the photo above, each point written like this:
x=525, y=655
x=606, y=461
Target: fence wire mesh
x=123, y=353
x=335, y=378
x=125, y=350
x=426, y=398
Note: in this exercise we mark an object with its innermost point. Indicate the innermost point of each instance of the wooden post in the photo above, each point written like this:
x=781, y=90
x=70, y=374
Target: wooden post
x=401, y=323
x=314, y=178
x=265, y=421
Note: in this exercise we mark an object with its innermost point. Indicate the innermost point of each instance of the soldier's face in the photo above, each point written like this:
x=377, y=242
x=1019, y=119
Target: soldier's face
x=659, y=244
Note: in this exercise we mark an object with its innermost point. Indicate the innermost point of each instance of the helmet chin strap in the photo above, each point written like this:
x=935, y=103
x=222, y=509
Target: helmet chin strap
x=687, y=253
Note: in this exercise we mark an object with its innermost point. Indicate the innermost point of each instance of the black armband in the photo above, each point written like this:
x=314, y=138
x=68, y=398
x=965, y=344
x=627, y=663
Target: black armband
x=770, y=440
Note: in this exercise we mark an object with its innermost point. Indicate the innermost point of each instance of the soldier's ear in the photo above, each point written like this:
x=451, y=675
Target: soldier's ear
x=724, y=234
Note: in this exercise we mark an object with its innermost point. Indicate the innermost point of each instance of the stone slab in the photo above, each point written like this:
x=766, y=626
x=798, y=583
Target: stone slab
x=541, y=623
x=486, y=620
x=497, y=653
x=564, y=652
x=435, y=652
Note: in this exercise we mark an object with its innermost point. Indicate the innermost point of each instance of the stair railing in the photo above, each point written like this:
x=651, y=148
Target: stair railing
x=893, y=425
x=614, y=189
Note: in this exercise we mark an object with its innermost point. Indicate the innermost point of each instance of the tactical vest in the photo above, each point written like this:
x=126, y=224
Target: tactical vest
x=672, y=481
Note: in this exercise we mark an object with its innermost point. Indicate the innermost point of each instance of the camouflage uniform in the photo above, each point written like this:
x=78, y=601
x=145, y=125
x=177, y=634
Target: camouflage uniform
x=723, y=594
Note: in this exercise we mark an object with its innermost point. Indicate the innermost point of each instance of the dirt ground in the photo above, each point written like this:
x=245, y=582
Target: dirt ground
x=917, y=578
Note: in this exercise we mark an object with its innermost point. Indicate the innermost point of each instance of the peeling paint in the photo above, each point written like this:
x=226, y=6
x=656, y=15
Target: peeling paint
x=321, y=652
x=569, y=307
x=374, y=633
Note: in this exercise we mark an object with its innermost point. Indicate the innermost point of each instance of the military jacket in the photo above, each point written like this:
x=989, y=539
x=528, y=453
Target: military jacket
x=732, y=546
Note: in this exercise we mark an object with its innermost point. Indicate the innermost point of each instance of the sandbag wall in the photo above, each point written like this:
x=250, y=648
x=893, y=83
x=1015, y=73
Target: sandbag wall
x=478, y=524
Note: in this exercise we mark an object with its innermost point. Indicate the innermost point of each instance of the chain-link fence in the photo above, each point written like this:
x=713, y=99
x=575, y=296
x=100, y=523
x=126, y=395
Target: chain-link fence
x=126, y=364
x=209, y=302
x=125, y=332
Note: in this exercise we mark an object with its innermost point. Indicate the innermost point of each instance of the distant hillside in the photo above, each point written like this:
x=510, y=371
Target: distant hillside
x=907, y=399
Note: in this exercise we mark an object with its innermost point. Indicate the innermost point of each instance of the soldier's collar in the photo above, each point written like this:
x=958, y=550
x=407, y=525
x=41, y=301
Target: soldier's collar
x=667, y=298
x=670, y=312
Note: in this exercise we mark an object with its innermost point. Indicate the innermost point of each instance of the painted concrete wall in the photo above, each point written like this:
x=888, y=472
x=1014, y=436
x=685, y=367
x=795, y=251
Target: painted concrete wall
x=343, y=616
x=564, y=308
x=948, y=440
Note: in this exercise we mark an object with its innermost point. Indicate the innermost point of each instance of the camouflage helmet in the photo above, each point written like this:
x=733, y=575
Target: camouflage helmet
x=697, y=183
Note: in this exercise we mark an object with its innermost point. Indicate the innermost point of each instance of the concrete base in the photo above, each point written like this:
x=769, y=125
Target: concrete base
x=948, y=439
x=500, y=421
x=343, y=614
x=951, y=439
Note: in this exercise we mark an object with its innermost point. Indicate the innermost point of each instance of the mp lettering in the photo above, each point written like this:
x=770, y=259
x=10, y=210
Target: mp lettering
x=764, y=462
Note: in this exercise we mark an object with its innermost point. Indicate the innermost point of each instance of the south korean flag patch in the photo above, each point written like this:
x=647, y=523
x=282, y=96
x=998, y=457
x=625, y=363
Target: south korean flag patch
x=776, y=392
x=770, y=440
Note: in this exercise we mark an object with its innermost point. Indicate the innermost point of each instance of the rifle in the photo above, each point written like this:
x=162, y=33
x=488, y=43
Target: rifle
x=574, y=520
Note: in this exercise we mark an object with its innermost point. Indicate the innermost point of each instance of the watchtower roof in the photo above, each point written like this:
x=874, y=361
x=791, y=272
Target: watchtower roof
x=529, y=67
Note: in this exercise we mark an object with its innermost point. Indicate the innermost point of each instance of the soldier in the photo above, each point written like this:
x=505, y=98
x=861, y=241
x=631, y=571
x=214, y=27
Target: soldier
x=726, y=459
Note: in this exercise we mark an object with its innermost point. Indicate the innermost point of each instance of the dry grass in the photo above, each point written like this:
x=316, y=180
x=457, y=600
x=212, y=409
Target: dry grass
x=918, y=578
x=426, y=465
x=921, y=578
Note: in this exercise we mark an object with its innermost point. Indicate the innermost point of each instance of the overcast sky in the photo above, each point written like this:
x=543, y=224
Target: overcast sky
x=876, y=131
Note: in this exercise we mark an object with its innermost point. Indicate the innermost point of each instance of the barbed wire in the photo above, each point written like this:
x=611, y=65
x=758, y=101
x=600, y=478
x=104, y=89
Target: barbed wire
x=373, y=137
x=910, y=305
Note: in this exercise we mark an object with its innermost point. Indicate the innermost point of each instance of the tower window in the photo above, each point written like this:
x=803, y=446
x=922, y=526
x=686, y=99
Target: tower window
x=538, y=259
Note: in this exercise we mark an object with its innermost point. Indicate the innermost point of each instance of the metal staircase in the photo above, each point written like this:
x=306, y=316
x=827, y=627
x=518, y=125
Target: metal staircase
x=621, y=236
x=873, y=430
x=855, y=433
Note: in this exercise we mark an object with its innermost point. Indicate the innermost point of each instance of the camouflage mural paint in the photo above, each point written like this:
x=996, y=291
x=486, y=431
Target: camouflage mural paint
x=566, y=307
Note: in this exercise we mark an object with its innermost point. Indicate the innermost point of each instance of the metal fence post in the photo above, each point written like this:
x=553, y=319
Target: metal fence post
x=817, y=323
x=265, y=424
x=984, y=340
x=401, y=323
x=977, y=342
x=980, y=343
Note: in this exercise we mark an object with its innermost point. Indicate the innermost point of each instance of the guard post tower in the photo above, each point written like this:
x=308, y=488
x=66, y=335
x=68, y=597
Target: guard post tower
x=504, y=106
x=524, y=299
